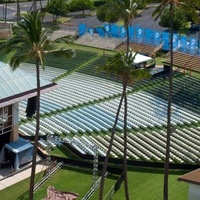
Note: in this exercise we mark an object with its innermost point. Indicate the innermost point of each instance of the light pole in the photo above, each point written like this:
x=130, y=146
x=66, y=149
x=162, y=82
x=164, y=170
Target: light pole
x=48, y=159
x=95, y=164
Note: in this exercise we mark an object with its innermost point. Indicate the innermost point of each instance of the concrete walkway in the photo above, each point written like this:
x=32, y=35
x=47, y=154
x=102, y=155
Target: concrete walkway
x=21, y=175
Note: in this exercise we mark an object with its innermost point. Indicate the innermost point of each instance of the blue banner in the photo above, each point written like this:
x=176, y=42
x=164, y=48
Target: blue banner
x=100, y=31
x=139, y=35
x=107, y=30
x=183, y=44
x=165, y=39
x=175, y=41
x=145, y=36
x=148, y=36
x=156, y=38
x=90, y=31
x=122, y=32
x=193, y=45
x=131, y=33
x=114, y=30
x=82, y=29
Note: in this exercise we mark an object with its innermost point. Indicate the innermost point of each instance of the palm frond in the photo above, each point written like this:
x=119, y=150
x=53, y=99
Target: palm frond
x=193, y=15
x=30, y=41
x=67, y=39
x=67, y=53
x=122, y=66
x=140, y=73
x=17, y=59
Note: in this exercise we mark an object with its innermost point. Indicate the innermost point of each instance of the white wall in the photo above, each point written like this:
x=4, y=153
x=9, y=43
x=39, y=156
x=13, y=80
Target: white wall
x=15, y=122
x=194, y=192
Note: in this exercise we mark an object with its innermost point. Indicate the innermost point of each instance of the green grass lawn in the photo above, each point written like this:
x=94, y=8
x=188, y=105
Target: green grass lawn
x=147, y=184
x=61, y=151
x=144, y=184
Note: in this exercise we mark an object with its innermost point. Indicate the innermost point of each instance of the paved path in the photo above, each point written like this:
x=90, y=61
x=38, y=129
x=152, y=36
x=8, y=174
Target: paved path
x=20, y=176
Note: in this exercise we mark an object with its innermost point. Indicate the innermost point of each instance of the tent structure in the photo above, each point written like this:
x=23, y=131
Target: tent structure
x=140, y=58
x=19, y=152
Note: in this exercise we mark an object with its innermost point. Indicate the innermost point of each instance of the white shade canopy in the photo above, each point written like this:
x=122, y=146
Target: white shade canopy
x=139, y=58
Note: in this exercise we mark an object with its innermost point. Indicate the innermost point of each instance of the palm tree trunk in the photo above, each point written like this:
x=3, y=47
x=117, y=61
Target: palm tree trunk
x=5, y=12
x=127, y=39
x=32, y=179
x=34, y=5
x=109, y=149
x=18, y=11
x=166, y=167
x=199, y=33
x=41, y=4
x=125, y=143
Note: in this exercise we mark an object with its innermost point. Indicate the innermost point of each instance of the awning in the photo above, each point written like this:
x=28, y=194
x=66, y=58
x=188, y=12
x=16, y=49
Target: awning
x=18, y=85
x=139, y=58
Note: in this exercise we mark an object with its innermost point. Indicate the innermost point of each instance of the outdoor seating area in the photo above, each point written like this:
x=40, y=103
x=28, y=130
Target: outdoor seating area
x=147, y=146
x=105, y=107
x=94, y=113
x=186, y=89
x=144, y=36
x=100, y=117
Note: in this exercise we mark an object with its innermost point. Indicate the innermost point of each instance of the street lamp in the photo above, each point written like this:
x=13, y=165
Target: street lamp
x=95, y=164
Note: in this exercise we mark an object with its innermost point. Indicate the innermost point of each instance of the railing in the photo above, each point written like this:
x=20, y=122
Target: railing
x=47, y=176
x=93, y=189
x=110, y=193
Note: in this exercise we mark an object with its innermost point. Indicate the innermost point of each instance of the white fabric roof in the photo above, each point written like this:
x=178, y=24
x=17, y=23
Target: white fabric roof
x=139, y=58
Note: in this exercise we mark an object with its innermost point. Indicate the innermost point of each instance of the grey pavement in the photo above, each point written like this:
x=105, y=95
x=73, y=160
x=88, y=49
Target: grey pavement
x=12, y=9
x=145, y=18
x=19, y=176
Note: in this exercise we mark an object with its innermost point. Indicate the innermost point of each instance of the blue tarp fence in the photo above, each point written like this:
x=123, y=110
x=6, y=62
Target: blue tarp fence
x=146, y=36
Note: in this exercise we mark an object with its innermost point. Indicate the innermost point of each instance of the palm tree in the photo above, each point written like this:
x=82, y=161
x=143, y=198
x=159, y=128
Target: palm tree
x=165, y=4
x=121, y=65
x=111, y=11
x=18, y=10
x=30, y=41
x=122, y=9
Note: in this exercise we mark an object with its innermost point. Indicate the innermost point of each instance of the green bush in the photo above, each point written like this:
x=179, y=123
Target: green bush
x=57, y=7
x=99, y=3
x=81, y=5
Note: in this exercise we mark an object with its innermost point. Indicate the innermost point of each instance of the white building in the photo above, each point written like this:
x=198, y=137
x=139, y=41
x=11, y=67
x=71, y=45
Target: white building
x=193, y=179
x=16, y=86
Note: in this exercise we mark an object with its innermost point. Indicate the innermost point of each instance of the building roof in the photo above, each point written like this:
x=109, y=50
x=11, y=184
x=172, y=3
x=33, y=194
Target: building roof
x=18, y=85
x=18, y=145
x=144, y=48
x=184, y=60
x=191, y=177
